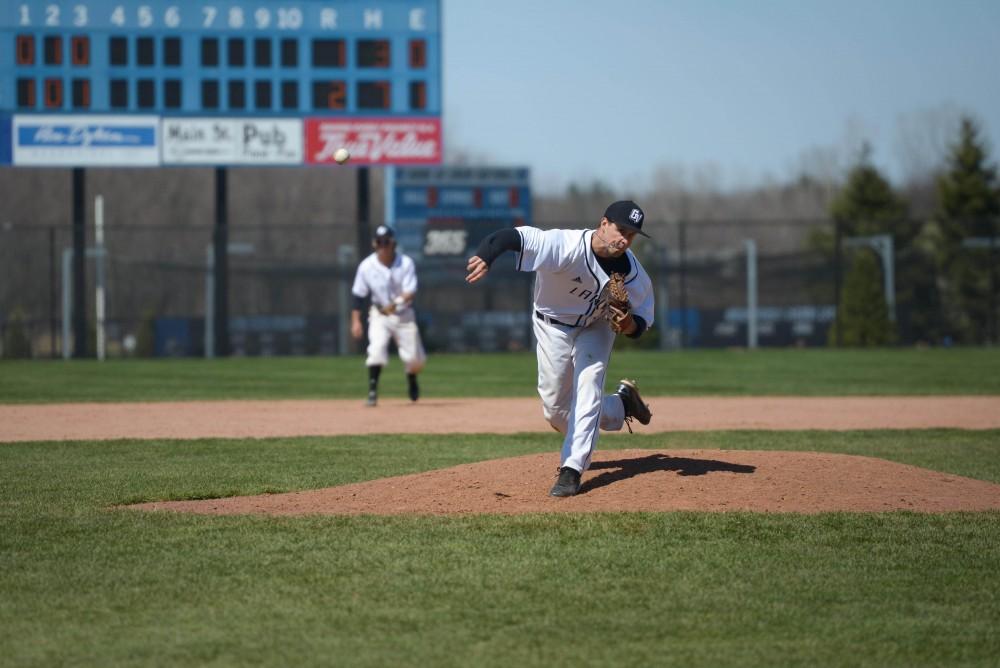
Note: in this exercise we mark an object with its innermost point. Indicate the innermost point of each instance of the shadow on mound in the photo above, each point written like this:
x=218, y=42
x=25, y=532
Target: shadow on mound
x=623, y=469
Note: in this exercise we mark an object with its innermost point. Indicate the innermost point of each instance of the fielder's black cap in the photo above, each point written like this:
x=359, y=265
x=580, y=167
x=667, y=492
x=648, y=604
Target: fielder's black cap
x=384, y=232
x=627, y=214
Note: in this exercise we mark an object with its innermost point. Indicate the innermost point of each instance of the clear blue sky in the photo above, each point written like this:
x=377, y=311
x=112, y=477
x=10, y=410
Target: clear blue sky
x=614, y=89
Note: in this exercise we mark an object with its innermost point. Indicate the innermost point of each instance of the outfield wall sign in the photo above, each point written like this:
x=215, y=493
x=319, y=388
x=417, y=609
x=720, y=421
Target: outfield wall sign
x=408, y=141
x=237, y=141
x=41, y=140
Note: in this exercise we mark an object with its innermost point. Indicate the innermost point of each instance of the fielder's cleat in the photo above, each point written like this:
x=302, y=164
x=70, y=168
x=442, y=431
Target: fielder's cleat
x=635, y=408
x=414, y=388
x=372, y=398
x=568, y=483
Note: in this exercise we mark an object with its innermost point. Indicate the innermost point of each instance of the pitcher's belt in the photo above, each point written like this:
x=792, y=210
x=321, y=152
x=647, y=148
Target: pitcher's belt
x=552, y=321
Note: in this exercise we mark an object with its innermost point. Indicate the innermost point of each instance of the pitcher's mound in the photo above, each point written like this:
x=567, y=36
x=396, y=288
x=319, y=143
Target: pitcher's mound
x=636, y=480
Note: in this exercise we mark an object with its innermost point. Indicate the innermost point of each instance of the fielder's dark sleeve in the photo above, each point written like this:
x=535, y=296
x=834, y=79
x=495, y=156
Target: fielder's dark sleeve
x=359, y=303
x=497, y=244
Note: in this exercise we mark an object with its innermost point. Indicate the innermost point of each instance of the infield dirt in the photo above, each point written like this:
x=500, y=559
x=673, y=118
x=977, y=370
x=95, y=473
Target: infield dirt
x=618, y=480
x=335, y=417
x=636, y=480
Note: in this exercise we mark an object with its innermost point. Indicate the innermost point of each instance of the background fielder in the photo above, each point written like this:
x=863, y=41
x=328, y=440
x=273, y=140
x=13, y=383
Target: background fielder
x=574, y=327
x=390, y=279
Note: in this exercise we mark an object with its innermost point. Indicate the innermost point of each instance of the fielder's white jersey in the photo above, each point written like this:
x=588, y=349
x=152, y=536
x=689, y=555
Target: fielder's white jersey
x=570, y=284
x=384, y=283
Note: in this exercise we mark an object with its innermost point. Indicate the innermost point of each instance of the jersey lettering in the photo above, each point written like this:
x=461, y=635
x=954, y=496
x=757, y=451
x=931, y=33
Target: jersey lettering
x=564, y=262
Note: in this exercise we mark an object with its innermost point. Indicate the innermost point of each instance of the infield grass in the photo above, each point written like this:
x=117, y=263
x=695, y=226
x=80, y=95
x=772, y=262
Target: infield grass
x=84, y=584
x=965, y=371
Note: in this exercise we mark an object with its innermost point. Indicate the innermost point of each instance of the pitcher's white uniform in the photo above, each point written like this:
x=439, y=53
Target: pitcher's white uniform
x=574, y=336
x=384, y=285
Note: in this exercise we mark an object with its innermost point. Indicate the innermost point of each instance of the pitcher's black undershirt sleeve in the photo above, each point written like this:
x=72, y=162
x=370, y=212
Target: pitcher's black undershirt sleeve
x=498, y=243
x=640, y=327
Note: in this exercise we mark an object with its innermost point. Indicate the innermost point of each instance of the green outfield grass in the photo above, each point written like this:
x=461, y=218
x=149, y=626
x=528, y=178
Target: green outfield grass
x=83, y=584
x=763, y=372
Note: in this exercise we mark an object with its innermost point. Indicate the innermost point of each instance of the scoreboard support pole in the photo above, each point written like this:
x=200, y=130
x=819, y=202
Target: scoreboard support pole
x=364, y=212
x=220, y=316
x=79, y=264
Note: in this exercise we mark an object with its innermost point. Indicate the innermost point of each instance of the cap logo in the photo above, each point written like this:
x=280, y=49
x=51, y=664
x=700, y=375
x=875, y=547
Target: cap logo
x=635, y=216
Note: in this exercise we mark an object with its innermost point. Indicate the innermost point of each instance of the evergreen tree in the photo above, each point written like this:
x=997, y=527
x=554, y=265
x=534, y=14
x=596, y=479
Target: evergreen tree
x=867, y=205
x=969, y=206
x=863, y=317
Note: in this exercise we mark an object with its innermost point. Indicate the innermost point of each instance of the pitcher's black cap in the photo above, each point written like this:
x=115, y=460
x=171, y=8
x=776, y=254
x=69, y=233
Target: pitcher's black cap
x=627, y=214
x=384, y=232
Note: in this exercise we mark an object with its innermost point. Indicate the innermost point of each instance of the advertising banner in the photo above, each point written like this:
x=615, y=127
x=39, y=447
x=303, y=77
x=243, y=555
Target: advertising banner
x=85, y=141
x=375, y=141
x=232, y=141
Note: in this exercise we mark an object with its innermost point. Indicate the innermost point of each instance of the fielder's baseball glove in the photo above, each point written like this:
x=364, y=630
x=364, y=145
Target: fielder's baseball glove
x=394, y=306
x=619, y=307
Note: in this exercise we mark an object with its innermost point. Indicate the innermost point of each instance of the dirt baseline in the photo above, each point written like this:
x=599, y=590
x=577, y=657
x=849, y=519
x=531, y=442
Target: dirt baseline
x=334, y=417
x=636, y=480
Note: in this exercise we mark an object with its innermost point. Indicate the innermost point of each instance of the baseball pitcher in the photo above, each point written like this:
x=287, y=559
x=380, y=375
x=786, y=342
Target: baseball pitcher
x=589, y=287
x=389, y=278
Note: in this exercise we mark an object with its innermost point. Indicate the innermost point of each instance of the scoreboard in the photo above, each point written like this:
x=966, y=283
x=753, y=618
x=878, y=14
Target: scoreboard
x=441, y=214
x=230, y=82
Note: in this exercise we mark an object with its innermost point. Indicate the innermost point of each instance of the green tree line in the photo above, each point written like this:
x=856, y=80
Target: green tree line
x=946, y=268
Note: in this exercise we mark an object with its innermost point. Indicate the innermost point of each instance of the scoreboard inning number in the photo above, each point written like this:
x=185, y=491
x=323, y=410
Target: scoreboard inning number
x=282, y=18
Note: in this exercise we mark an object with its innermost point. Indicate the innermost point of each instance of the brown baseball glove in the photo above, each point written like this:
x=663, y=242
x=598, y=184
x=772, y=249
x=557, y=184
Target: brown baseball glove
x=619, y=307
x=394, y=306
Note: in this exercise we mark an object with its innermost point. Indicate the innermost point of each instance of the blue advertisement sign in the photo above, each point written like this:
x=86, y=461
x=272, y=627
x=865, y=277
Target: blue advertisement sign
x=84, y=141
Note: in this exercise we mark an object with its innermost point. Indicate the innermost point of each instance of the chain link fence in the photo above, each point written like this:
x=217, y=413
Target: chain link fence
x=289, y=289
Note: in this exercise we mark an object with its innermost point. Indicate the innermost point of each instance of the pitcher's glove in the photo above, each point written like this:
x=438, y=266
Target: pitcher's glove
x=619, y=307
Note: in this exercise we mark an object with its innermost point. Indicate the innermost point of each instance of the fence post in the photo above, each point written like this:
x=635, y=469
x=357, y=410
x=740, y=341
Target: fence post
x=68, y=259
x=79, y=265
x=99, y=294
x=751, y=246
x=663, y=299
x=345, y=262
x=995, y=242
x=836, y=282
x=682, y=247
x=221, y=266
x=52, y=292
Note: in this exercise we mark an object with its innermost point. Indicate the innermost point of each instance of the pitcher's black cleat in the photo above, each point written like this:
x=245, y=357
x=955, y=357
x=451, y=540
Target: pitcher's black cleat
x=635, y=407
x=568, y=483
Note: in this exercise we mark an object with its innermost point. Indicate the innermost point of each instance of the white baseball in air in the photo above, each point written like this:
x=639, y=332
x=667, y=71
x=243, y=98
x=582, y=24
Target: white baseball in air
x=342, y=155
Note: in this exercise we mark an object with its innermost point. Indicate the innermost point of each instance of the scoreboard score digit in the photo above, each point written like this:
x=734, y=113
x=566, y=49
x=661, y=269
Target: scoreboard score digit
x=311, y=57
